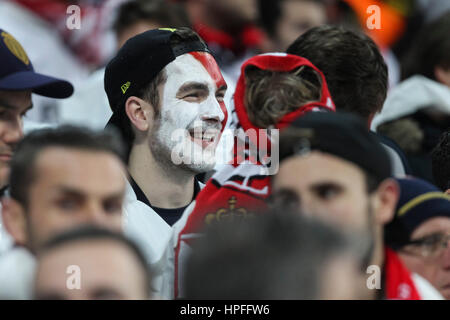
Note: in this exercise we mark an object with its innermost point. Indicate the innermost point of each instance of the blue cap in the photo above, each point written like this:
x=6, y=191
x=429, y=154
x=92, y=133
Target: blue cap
x=419, y=201
x=17, y=72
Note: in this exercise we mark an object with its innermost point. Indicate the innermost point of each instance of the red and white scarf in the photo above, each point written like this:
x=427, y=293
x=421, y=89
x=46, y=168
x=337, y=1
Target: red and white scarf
x=398, y=282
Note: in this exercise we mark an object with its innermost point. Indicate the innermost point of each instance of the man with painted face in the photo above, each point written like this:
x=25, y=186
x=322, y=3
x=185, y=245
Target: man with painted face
x=166, y=93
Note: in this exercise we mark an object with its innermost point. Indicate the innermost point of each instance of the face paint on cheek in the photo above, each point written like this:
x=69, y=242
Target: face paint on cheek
x=213, y=70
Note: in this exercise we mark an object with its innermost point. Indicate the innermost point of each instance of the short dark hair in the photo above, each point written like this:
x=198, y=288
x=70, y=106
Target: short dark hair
x=23, y=161
x=275, y=255
x=163, y=12
x=429, y=50
x=440, y=162
x=353, y=66
x=91, y=233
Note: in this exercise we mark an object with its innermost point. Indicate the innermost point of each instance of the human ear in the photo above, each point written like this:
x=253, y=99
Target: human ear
x=139, y=112
x=388, y=193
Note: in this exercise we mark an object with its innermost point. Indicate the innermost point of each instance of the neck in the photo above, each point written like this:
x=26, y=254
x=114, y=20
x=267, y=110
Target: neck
x=377, y=260
x=378, y=254
x=165, y=186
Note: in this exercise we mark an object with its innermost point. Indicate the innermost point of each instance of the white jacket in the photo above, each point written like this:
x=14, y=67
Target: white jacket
x=154, y=237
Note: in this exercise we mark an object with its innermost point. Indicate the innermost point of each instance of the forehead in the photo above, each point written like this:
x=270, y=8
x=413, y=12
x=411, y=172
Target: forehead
x=83, y=169
x=17, y=99
x=115, y=259
x=317, y=167
x=433, y=225
x=194, y=67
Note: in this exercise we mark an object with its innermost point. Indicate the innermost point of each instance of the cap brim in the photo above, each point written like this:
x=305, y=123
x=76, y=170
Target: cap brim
x=38, y=83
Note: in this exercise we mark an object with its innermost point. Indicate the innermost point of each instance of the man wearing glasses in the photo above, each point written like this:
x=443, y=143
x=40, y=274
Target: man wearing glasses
x=420, y=232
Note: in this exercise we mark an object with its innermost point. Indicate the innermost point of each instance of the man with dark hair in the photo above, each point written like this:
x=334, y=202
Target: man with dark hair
x=110, y=266
x=352, y=64
x=440, y=160
x=276, y=255
x=340, y=174
x=60, y=178
x=356, y=73
x=166, y=92
x=285, y=20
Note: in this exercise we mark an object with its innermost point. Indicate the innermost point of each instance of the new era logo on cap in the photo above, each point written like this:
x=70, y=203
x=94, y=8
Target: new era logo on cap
x=125, y=87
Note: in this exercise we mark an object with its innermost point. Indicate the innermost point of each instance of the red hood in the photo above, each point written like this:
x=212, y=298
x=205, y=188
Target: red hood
x=279, y=62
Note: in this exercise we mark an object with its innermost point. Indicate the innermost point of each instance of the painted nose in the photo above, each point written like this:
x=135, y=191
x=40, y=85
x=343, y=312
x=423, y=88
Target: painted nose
x=213, y=111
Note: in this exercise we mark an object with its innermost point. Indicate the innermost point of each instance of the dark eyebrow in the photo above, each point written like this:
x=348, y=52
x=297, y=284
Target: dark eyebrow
x=120, y=195
x=192, y=86
x=326, y=184
x=70, y=191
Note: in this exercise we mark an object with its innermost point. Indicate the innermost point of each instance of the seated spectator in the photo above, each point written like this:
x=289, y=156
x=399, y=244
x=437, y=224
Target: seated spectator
x=167, y=96
x=99, y=264
x=356, y=74
x=60, y=178
x=420, y=232
x=440, y=158
x=278, y=255
x=335, y=170
x=272, y=91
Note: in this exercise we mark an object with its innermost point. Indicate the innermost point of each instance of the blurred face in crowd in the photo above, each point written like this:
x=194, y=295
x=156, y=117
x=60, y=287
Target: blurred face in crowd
x=335, y=191
x=330, y=188
x=191, y=114
x=297, y=16
x=13, y=106
x=242, y=10
x=71, y=187
x=107, y=270
x=431, y=257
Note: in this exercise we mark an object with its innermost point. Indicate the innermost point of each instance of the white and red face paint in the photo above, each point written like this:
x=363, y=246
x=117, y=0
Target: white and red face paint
x=200, y=122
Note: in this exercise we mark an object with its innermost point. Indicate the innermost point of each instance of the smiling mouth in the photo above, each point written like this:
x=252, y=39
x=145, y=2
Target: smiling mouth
x=202, y=138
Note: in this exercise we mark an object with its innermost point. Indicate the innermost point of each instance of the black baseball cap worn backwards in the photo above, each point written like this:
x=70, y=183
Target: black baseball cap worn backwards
x=339, y=134
x=137, y=63
x=17, y=72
